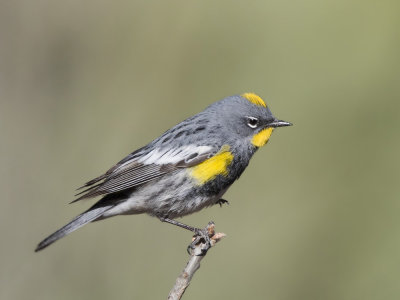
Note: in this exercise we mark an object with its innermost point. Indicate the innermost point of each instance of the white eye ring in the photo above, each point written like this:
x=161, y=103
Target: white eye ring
x=252, y=122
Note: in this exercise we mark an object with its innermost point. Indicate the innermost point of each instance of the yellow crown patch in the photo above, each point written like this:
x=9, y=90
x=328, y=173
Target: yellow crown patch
x=255, y=99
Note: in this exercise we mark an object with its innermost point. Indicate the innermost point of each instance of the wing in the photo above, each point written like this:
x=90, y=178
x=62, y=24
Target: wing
x=143, y=166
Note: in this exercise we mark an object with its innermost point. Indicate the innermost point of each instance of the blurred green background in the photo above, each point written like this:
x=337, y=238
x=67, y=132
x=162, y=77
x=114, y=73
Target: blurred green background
x=315, y=216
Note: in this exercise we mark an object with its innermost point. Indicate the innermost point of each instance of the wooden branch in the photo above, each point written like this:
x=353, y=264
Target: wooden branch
x=198, y=253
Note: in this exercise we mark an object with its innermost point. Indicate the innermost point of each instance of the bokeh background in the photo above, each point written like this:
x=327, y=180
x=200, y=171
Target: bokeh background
x=315, y=216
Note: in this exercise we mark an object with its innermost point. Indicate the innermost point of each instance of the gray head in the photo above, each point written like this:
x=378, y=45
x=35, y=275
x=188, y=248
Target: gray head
x=245, y=116
x=234, y=120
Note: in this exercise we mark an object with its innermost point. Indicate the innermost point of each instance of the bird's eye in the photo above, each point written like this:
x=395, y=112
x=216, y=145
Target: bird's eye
x=252, y=122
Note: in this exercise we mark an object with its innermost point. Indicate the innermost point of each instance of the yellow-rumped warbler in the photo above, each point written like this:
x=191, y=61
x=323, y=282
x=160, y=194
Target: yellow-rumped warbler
x=187, y=168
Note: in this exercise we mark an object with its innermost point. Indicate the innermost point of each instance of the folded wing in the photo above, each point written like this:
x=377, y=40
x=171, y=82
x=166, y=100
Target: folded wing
x=141, y=167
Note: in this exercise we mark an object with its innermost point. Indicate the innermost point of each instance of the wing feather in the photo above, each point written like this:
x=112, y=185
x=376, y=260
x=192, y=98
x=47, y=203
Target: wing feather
x=137, y=170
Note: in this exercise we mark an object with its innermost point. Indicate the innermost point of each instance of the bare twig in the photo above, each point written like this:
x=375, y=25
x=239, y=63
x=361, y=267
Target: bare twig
x=198, y=253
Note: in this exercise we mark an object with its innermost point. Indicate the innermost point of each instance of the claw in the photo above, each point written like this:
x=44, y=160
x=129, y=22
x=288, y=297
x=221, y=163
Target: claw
x=201, y=236
x=221, y=202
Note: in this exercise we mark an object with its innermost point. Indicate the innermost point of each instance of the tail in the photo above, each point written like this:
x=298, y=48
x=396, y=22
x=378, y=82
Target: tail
x=84, y=218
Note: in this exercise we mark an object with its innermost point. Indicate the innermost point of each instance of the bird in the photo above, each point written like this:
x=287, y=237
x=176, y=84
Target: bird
x=187, y=168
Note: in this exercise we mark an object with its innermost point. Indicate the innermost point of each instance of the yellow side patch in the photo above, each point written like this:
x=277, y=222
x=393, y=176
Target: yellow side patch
x=255, y=99
x=261, y=138
x=214, y=166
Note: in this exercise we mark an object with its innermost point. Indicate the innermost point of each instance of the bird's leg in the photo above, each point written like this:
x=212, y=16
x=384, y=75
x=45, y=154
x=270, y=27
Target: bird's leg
x=222, y=201
x=200, y=235
x=179, y=224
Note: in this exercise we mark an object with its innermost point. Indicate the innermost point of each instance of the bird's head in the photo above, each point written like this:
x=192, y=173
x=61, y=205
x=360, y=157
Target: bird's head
x=246, y=117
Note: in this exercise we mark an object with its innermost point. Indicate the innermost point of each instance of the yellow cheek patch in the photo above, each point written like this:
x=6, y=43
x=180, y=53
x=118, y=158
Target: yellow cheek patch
x=255, y=99
x=214, y=166
x=261, y=138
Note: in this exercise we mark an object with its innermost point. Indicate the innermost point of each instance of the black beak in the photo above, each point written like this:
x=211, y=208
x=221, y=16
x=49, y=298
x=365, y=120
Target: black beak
x=279, y=123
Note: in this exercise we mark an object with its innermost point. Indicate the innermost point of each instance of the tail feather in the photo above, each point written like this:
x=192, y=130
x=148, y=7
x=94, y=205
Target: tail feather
x=84, y=218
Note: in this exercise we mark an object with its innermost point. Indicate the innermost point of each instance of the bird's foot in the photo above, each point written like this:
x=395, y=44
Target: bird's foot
x=221, y=202
x=203, y=237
